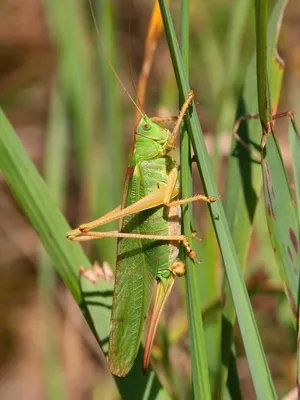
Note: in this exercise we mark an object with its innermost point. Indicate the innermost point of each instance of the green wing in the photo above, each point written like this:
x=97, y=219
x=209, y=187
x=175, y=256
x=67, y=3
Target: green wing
x=134, y=282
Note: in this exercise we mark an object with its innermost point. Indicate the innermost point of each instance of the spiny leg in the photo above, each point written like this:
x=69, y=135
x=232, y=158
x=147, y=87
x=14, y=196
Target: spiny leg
x=173, y=175
x=110, y=216
x=161, y=196
x=86, y=236
x=156, y=198
x=198, y=197
x=83, y=236
x=182, y=113
x=163, y=120
x=152, y=200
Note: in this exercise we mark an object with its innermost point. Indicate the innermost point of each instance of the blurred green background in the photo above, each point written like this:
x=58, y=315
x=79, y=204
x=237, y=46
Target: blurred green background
x=76, y=124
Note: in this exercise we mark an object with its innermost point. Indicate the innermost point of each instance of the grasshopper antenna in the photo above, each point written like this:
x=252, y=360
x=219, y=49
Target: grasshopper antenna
x=109, y=62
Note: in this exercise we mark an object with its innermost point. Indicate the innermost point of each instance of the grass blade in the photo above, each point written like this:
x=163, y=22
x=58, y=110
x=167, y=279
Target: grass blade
x=40, y=208
x=256, y=358
x=261, y=22
x=200, y=378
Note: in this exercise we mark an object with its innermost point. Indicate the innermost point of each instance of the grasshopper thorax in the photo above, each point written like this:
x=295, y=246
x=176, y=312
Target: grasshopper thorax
x=151, y=141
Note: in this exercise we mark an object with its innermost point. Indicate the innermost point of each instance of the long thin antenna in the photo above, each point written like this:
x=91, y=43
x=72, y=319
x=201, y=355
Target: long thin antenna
x=109, y=62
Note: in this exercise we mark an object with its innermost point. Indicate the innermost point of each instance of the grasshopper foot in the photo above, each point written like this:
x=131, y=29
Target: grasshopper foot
x=178, y=268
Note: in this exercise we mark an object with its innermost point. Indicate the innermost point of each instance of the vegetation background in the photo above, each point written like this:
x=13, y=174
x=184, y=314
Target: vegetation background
x=76, y=124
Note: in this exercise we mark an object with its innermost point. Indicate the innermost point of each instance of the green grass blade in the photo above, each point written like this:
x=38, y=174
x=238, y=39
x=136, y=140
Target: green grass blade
x=244, y=178
x=261, y=23
x=40, y=208
x=42, y=211
x=256, y=358
x=200, y=378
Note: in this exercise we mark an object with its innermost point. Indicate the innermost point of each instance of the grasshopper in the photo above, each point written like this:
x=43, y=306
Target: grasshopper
x=149, y=236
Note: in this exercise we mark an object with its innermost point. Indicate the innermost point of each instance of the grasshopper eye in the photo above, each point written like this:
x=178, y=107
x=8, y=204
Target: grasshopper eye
x=146, y=127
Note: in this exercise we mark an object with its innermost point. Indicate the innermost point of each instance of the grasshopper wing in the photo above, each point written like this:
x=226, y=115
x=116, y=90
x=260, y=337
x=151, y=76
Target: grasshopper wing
x=134, y=281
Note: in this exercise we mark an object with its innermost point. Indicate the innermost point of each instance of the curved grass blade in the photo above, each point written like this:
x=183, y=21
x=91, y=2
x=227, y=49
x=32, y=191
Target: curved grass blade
x=40, y=208
x=244, y=177
x=256, y=358
x=200, y=378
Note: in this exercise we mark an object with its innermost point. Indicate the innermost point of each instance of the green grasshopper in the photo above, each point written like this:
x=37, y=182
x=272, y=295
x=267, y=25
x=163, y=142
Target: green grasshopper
x=148, y=237
x=150, y=216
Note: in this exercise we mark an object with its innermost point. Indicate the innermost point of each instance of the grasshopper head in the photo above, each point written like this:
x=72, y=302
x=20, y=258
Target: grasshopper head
x=151, y=141
x=150, y=130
